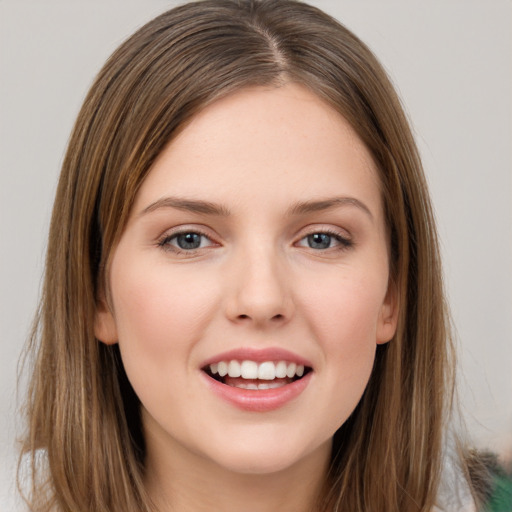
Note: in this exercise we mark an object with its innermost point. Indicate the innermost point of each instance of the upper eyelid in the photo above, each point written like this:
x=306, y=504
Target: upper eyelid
x=178, y=230
x=324, y=228
x=170, y=236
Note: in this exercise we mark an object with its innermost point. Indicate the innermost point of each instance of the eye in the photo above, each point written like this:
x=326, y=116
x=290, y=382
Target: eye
x=324, y=240
x=185, y=241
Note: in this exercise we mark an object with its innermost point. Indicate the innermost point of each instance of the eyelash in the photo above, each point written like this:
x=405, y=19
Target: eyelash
x=165, y=242
x=344, y=242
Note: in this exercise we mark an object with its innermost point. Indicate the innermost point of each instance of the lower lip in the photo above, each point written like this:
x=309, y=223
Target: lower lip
x=261, y=400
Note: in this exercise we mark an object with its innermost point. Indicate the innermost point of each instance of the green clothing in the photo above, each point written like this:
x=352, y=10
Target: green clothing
x=501, y=499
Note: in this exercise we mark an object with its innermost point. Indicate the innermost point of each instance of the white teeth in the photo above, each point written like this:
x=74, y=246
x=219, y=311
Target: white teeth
x=267, y=370
x=223, y=368
x=249, y=370
x=264, y=385
x=234, y=369
x=290, y=371
x=281, y=369
x=271, y=385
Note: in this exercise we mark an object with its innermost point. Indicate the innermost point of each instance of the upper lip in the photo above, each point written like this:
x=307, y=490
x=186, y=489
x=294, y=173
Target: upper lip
x=258, y=355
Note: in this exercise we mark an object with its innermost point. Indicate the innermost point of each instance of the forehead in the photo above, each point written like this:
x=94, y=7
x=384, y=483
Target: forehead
x=266, y=143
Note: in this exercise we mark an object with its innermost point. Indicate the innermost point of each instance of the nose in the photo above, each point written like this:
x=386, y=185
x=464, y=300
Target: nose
x=259, y=289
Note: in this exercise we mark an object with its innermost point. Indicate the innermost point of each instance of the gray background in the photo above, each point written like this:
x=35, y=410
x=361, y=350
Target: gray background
x=452, y=63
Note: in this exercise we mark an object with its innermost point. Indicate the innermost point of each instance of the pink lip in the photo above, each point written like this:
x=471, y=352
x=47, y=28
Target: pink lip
x=258, y=355
x=258, y=400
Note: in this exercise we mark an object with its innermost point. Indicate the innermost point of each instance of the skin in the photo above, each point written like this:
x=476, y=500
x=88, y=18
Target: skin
x=255, y=282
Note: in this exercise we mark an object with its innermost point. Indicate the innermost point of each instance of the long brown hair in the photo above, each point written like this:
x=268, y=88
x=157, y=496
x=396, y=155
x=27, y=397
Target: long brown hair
x=81, y=409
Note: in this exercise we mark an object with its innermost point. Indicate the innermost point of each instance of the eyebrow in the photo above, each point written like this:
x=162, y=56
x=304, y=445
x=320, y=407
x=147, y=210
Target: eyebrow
x=189, y=205
x=304, y=207
x=299, y=208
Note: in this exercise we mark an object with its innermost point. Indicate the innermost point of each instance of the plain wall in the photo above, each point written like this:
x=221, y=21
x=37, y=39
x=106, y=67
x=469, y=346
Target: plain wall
x=452, y=63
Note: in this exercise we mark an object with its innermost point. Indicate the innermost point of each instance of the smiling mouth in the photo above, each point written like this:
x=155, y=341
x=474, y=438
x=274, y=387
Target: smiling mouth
x=254, y=375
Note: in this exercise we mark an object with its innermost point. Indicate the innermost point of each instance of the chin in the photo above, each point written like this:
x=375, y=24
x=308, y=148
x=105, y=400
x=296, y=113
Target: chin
x=258, y=465
x=267, y=458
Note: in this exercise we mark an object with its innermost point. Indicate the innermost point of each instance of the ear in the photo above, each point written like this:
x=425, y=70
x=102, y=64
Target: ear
x=388, y=317
x=105, y=328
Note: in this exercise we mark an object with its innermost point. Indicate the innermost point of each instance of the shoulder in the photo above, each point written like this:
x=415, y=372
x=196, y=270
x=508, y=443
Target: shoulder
x=465, y=481
x=455, y=489
x=497, y=494
x=474, y=482
x=501, y=498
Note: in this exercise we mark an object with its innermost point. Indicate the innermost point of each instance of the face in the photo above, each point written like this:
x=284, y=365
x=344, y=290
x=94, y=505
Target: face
x=256, y=246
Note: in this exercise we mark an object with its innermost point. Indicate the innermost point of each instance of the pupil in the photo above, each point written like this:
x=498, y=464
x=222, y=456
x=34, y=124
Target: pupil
x=189, y=241
x=319, y=241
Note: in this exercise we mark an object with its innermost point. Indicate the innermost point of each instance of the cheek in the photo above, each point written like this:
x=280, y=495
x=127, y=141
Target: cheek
x=345, y=311
x=343, y=316
x=160, y=316
x=157, y=310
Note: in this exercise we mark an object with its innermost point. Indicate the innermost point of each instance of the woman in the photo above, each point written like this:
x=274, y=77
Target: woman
x=242, y=200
